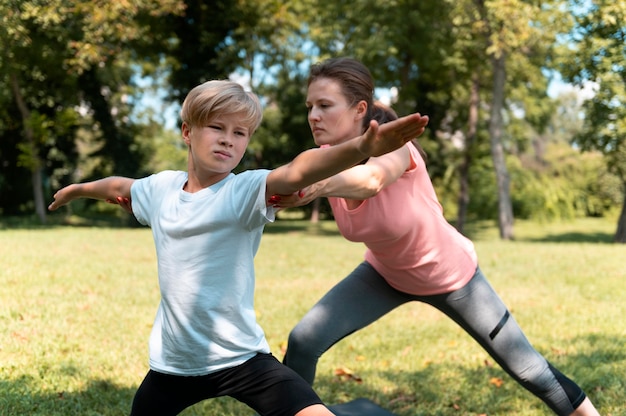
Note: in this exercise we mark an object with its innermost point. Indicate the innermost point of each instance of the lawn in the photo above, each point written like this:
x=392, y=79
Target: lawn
x=77, y=304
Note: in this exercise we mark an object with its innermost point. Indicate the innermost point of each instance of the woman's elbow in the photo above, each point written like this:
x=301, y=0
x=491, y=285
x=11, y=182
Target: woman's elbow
x=373, y=187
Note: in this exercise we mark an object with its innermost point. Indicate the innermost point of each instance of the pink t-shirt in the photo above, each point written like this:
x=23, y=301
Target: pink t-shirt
x=409, y=241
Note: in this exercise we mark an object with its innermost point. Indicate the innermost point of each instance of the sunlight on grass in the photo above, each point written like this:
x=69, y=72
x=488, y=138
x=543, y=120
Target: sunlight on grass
x=77, y=304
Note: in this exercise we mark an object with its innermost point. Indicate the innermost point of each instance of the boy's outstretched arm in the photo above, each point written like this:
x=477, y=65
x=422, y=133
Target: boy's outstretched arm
x=105, y=189
x=316, y=164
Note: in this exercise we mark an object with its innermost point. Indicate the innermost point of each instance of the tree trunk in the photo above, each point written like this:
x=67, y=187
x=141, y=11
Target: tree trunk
x=315, y=211
x=118, y=142
x=35, y=161
x=505, y=208
x=620, y=234
x=472, y=126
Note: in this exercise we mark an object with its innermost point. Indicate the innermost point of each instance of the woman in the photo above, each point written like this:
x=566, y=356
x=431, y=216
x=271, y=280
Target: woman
x=413, y=253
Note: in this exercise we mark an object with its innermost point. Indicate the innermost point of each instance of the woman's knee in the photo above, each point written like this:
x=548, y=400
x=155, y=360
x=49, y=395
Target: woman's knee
x=302, y=340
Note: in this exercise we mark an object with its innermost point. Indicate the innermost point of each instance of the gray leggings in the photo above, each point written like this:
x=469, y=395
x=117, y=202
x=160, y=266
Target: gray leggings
x=364, y=296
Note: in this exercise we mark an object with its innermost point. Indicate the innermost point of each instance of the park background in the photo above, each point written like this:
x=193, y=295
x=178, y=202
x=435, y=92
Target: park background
x=526, y=141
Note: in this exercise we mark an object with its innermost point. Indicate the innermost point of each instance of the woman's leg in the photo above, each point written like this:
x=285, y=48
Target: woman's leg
x=355, y=302
x=478, y=309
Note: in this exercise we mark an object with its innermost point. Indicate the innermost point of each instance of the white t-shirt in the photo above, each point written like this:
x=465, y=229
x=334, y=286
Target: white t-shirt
x=205, y=244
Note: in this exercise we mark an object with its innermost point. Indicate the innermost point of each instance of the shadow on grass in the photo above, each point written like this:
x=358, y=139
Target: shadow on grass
x=57, y=220
x=442, y=389
x=325, y=227
x=485, y=229
x=99, y=397
x=321, y=228
x=453, y=389
x=102, y=397
x=572, y=237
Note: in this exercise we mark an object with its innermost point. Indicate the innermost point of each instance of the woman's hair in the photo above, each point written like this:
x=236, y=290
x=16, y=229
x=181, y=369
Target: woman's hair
x=383, y=113
x=356, y=84
x=214, y=98
x=354, y=78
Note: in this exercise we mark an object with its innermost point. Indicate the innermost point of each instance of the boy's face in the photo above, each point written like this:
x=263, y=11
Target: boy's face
x=216, y=147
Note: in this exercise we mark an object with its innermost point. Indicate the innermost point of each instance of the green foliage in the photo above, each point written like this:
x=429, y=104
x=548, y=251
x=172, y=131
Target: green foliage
x=75, y=64
x=167, y=150
x=595, y=54
x=285, y=130
x=59, y=58
x=77, y=305
x=563, y=186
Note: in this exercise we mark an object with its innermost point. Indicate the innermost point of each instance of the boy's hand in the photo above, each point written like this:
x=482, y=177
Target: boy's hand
x=62, y=197
x=381, y=139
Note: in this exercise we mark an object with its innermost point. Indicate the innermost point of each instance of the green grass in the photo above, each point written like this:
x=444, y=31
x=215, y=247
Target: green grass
x=77, y=303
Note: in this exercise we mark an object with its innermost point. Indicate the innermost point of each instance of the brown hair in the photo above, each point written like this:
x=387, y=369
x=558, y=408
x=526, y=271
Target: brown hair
x=354, y=78
x=357, y=84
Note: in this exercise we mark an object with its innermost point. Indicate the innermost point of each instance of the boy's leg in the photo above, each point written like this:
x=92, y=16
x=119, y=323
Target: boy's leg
x=271, y=388
x=262, y=382
x=165, y=394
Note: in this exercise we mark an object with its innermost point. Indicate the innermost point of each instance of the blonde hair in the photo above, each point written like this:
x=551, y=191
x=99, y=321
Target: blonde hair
x=218, y=97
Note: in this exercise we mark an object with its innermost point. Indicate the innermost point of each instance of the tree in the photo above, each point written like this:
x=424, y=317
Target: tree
x=519, y=34
x=31, y=64
x=450, y=60
x=54, y=50
x=595, y=53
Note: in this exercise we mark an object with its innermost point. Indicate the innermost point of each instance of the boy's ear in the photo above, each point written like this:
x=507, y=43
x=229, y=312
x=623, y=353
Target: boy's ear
x=186, y=130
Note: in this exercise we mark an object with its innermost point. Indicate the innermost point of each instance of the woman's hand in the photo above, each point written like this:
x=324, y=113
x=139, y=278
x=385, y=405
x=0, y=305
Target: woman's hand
x=300, y=198
x=123, y=202
x=381, y=139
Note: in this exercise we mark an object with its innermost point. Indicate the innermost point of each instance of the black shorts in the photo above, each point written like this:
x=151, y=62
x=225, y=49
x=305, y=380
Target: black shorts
x=262, y=382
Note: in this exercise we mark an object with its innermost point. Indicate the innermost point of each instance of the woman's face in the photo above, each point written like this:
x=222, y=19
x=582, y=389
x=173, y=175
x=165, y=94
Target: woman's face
x=331, y=118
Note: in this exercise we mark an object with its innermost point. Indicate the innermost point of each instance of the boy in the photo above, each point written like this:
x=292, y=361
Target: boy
x=207, y=224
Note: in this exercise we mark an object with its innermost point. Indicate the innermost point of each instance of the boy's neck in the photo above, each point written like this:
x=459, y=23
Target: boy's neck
x=195, y=184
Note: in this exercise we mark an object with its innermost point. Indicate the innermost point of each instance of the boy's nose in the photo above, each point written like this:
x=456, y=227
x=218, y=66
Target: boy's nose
x=226, y=140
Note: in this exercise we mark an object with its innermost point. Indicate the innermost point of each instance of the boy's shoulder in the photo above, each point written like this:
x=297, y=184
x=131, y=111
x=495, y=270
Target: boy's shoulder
x=250, y=174
x=161, y=179
x=171, y=173
x=165, y=175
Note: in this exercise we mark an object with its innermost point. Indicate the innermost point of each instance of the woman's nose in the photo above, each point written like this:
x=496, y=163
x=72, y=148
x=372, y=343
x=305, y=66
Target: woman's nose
x=313, y=114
